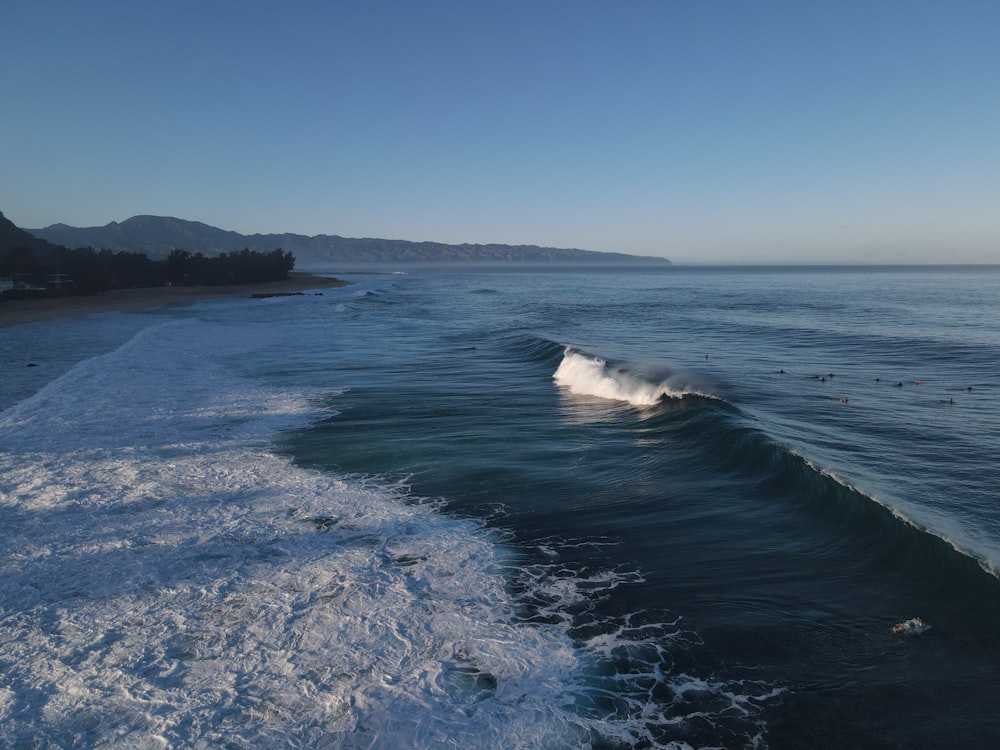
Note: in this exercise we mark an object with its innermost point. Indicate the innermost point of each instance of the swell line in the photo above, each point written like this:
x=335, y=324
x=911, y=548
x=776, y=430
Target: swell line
x=724, y=432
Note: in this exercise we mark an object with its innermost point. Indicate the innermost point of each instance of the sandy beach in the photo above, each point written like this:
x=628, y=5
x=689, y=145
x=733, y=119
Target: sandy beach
x=14, y=312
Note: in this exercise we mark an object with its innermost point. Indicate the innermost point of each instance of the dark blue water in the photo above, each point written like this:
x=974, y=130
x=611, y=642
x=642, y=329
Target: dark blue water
x=519, y=509
x=789, y=499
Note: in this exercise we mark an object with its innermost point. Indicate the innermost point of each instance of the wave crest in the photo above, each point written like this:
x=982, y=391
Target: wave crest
x=587, y=375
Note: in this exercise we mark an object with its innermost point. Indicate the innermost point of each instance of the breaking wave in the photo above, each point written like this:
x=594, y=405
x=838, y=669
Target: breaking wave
x=587, y=375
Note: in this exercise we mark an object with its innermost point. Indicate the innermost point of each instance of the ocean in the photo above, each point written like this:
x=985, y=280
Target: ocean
x=510, y=508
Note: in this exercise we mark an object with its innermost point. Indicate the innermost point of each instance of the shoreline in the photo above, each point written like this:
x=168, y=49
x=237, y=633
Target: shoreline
x=16, y=312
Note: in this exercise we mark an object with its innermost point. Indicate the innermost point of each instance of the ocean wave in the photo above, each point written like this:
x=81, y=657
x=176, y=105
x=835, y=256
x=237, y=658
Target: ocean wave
x=588, y=375
x=169, y=580
x=865, y=526
x=725, y=432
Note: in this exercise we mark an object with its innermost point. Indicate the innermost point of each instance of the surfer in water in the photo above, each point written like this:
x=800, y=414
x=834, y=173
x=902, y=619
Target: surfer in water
x=913, y=626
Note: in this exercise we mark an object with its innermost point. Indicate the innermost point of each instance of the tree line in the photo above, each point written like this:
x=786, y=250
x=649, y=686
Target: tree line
x=53, y=269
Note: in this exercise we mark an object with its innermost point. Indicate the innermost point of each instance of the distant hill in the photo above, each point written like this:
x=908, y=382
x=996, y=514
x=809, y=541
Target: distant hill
x=31, y=267
x=156, y=236
x=13, y=238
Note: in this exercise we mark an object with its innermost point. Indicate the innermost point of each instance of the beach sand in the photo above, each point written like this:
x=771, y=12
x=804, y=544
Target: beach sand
x=14, y=312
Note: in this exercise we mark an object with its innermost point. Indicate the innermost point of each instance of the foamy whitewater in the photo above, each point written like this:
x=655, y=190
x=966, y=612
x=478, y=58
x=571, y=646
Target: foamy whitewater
x=592, y=376
x=500, y=511
x=168, y=581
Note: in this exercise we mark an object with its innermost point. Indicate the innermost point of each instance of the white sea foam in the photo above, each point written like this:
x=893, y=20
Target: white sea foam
x=587, y=375
x=167, y=580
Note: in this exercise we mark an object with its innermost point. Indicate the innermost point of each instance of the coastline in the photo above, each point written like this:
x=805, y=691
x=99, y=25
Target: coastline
x=16, y=312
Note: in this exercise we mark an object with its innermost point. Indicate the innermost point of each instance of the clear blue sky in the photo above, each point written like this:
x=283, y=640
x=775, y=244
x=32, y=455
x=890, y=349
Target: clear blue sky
x=705, y=131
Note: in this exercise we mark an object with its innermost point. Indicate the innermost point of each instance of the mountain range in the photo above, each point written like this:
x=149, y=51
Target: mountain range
x=156, y=236
x=12, y=236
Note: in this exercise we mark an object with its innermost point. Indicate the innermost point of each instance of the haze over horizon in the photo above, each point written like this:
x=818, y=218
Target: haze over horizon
x=773, y=132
